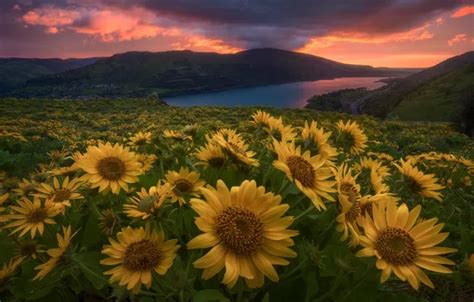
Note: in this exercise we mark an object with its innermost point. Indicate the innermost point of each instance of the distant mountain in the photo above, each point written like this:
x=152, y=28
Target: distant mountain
x=136, y=74
x=384, y=100
x=15, y=72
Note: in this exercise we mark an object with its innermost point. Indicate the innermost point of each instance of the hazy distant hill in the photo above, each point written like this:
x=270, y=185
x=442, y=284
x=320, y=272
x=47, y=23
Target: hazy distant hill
x=183, y=72
x=382, y=101
x=15, y=72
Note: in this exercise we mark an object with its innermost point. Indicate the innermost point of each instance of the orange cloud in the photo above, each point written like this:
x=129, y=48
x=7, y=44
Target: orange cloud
x=50, y=17
x=457, y=39
x=463, y=11
x=416, y=34
x=201, y=43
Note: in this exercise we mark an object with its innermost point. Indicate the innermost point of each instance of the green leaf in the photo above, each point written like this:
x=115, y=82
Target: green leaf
x=89, y=263
x=209, y=295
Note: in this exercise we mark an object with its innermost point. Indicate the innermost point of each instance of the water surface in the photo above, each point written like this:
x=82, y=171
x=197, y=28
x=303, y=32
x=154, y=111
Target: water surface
x=292, y=95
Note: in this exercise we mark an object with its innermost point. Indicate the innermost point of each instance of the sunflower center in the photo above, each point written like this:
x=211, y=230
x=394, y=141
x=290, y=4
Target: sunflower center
x=37, y=215
x=354, y=212
x=182, y=186
x=142, y=256
x=111, y=168
x=301, y=170
x=414, y=185
x=28, y=249
x=396, y=246
x=146, y=203
x=240, y=230
x=61, y=195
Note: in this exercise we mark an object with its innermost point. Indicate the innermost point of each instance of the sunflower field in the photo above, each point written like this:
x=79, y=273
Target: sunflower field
x=119, y=200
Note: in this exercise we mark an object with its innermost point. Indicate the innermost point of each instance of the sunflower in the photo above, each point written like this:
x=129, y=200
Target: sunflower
x=3, y=199
x=56, y=254
x=109, y=221
x=353, y=137
x=138, y=252
x=8, y=269
x=29, y=248
x=261, y=118
x=246, y=230
x=178, y=135
x=317, y=140
x=402, y=244
x=26, y=187
x=58, y=156
x=108, y=166
x=60, y=194
x=31, y=216
x=211, y=155
x=349, y=204
x=145, y=203
x=277, y=130
x=236, y=148
x=147, y=161
x=378, y=185
x=140, y=139
x=419, y=183
x=309, y=173
x=184, y=184
x=368, y=164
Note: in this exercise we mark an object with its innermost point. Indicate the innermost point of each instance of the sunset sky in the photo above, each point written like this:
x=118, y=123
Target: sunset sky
x=392, y=33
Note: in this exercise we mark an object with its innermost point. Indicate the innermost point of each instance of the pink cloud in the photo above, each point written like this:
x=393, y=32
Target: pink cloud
x=415, y=34
x=50, y=16
x=463, y=11
x=457, y=39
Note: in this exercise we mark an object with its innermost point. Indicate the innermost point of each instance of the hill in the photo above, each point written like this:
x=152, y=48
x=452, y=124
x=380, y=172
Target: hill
x=136, y=74
x=382, y=101
x=15, y=72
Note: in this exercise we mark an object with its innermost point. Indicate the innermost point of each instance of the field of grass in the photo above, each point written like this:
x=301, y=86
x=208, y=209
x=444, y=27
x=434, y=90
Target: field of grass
x=83, y=220
x=443, y=99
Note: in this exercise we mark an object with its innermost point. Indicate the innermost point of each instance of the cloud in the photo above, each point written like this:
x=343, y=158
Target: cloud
x=463, y=11
x=457, y=39
x=50, y=16
x=415, y=34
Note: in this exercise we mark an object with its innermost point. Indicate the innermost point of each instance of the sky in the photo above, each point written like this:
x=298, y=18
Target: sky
x=390, y=33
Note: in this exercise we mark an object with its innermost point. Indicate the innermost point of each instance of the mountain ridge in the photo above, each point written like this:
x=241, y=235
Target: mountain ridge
x=138, y=74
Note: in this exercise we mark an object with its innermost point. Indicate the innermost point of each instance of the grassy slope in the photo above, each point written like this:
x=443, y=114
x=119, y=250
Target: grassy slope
x=439, y=100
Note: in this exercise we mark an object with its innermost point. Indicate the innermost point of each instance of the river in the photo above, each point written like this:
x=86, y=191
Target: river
x=291, y=95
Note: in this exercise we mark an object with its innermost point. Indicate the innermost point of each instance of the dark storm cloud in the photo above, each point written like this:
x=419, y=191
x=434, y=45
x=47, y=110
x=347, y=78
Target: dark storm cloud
x=289, y=23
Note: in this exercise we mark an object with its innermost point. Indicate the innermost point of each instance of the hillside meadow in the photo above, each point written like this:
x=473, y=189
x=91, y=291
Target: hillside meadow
x=134, y=200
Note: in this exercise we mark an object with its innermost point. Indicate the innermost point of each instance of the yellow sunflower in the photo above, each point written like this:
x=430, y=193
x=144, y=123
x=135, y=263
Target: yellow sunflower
x=30, y=216
x=147, y=161
x=8, y=269
x=246, y=232
x=348, y=198
x=211, y=155
x=26, y=187
x=29, y=248
x=108, y=166
x=420, y=183
x=369, y=164
x=261, y=118
x=145, y=203
x=140, y=139
x=404, y=245
x=378, y=185
x=109, y=222
x=3, y=199
x=236, y=148
x=60, y=194
x=185, y=183
x=317, y=140
x=279, y=131
x=178, y=135
x=55, y=254
x=138, y=252
x=354, y=139
x=309, y=173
